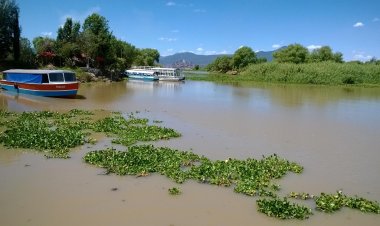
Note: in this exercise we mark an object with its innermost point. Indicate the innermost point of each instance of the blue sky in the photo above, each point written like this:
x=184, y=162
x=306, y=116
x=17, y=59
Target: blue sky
x=220, y=26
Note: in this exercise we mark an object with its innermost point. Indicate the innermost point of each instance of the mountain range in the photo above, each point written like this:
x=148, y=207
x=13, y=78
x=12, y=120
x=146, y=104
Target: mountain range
x=189, y=60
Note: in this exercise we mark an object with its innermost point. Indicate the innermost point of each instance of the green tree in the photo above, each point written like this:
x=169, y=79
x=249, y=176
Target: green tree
x=221, y=64
x=123, y=54
x=96, y=38
x=27, y=55
x=9, y=29
x=243, y=57
x=147, y=57
x=45, y=48
x=69, y=32
x=324, y=53
x=68, y=42
x=294, y=53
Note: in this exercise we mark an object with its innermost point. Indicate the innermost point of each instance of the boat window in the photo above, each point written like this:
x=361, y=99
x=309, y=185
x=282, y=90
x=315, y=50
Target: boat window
x=70, y=77
x=45, y=78
x=56, y=77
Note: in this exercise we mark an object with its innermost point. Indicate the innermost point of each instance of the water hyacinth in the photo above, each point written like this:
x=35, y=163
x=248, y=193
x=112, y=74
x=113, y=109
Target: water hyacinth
x=330, y=203
x=131, y=130
x=43, y=131
x=55, y=133
x=283, y=209
x=174, y=191
x=250, y=177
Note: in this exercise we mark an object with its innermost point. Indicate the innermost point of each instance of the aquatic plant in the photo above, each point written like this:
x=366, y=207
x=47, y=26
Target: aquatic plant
x=42, y=131
x=283, y=209
x=330, y=203
x=131, y=130
x=250, y=177
x=55, y=133
x=174, y=191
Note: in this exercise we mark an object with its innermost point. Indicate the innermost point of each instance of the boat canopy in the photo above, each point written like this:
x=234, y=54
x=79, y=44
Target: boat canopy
x=25, y=78
x=38, y=76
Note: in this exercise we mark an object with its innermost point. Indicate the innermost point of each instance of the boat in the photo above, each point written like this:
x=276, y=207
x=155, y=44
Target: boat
x=54, y=83
x=169, y=74
x=142, y=74
x=164, y=74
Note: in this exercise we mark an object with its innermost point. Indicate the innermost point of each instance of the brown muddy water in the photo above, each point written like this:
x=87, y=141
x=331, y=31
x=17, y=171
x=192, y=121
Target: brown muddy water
x=334, y=132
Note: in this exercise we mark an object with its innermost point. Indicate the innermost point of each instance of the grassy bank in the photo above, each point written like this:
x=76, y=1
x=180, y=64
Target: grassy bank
x=326, y=73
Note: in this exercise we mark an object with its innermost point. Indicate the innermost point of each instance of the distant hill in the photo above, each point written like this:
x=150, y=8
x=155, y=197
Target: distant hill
x=189, y=60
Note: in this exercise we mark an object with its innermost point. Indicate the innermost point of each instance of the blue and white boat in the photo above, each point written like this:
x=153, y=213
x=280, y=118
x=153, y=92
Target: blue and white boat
x=142, y=74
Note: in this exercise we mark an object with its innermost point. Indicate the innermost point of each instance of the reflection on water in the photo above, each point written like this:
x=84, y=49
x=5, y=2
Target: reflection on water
x=332, y=131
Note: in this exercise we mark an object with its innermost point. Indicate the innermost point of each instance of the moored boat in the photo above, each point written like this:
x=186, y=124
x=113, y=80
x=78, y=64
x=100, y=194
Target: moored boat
x=169, y=74
x=141, y=74
x=163, y=74
x=40, y=82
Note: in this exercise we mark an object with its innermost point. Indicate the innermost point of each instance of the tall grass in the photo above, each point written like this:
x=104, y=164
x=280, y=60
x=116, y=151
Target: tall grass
x=325, y=73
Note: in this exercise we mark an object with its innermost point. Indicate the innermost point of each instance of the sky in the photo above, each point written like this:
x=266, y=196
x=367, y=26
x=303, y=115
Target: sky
x=351, y=27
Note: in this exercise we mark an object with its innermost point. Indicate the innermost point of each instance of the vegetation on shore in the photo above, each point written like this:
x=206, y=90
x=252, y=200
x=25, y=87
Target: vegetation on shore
x=293, y=64
x=322, y=73
x=91, y=44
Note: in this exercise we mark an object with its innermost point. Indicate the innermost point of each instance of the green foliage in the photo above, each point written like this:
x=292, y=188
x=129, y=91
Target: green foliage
x=330, y=203
x=69, y=32
x=283, y=209
x=130, y=131
x=9, y=29
x=221, y=64
x=324, y=54
x=251, y=177
x=174, y=191
x=294, y=53
x=147, y=57
x=50, y=132
x=243, y=57
x=54, y=133
x=325, y=73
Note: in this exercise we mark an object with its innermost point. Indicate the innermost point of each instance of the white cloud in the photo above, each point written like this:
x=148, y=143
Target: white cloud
x=241, y=46
x=170, y=4
x=200, y=49
x=276, y=46
x=47, y=33
x=174, y=31
x=80, y=16
x=358, y=24
x=199, y=11
x=376, y=19
x=312, y=47
x=211, y=52
x=169, y=50
x=362, y=57
x=167, y=39
x=224, y=52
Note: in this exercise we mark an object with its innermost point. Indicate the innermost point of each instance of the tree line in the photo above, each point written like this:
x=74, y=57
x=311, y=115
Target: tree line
x=90, y=44
x=294, y=53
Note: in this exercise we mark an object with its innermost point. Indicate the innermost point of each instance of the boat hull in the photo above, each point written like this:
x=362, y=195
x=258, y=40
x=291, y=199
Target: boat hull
x=48, y=89
x=146, y=78
x=171, y=78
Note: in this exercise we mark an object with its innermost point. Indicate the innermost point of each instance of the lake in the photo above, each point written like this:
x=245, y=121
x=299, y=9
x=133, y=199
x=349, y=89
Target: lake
x=334, y=132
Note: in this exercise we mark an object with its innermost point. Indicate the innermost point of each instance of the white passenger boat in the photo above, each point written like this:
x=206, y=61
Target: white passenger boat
x=164, y=74
x=142, y=74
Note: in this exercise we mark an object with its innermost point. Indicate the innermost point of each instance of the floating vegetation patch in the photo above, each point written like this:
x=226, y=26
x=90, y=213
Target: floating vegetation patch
x=174, y=191
x=283, y=209
x=130, y=131
x=55, y=133
x=330, y=203
x=250, y=177
x=51, y=132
